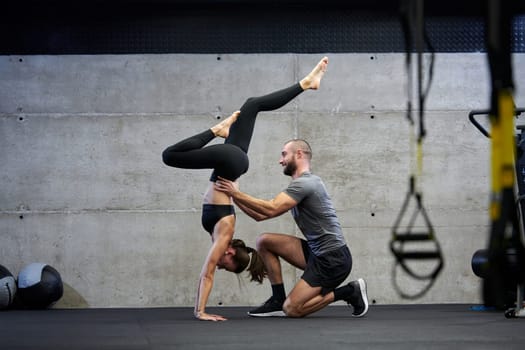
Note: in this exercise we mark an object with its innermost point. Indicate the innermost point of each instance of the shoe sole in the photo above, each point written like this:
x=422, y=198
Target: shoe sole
x=269, y=314
x=362, y=288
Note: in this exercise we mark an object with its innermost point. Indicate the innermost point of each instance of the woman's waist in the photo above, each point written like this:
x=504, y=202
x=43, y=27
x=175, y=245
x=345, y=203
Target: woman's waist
x=212, y=196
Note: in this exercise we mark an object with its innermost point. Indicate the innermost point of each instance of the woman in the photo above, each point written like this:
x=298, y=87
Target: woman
x=229, y=160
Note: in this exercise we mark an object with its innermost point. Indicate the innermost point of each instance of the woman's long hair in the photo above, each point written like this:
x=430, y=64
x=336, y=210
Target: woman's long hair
x=247, y=259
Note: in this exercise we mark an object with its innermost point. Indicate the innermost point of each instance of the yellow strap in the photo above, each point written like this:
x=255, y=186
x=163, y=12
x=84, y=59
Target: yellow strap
x=416, y=159
x=420, y=157
x=502, y=148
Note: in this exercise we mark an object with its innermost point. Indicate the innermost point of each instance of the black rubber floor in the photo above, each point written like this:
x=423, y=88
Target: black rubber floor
x=385, y=327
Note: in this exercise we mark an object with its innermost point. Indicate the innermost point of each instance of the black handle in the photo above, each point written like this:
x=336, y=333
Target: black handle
x=478, y=126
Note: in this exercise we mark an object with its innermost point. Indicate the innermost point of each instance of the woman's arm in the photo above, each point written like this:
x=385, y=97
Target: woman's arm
x=222, y=236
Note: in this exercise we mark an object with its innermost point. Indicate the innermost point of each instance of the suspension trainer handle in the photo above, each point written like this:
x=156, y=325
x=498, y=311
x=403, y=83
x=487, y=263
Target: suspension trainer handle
x=473, y=113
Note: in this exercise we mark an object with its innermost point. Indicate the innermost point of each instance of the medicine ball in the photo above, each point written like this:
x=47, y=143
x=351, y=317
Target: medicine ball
x=506, y=293
x=480, y=261
x=39, y=286
x=7, y=288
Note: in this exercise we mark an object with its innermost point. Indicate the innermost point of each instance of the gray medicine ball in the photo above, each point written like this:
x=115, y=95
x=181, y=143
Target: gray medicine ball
x=7, y=288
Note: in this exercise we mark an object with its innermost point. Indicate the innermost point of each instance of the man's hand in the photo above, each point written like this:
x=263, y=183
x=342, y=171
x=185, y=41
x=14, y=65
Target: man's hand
x=226, y=186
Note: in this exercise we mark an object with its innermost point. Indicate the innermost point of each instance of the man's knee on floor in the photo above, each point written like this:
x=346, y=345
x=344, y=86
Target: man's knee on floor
x=292, y=310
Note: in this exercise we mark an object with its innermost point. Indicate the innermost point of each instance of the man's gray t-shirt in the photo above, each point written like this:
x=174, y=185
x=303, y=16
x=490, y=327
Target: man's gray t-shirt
x=314, y=214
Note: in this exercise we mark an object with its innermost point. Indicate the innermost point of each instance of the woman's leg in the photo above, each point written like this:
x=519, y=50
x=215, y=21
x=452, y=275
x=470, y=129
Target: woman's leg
x=242, y=130
x=190, y=153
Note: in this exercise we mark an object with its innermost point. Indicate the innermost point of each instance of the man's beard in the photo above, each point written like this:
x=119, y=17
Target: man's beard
x=290, y=168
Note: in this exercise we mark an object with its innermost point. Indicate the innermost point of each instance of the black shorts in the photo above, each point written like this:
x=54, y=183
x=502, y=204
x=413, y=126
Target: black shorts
x=328, y=270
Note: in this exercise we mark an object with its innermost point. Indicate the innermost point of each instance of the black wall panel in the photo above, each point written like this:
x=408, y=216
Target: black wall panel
x=199, y=26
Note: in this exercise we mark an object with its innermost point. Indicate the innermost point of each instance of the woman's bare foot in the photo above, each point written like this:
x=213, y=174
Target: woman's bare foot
x=313, y=79
x=223, y=128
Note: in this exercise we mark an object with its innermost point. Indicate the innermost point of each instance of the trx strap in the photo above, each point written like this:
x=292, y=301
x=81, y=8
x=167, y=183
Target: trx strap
x=503, y=213
x=406, y=233
x=508, y=244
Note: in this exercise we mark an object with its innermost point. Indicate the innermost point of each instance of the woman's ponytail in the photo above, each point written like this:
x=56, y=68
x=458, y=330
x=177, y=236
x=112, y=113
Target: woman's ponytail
x=248, y=259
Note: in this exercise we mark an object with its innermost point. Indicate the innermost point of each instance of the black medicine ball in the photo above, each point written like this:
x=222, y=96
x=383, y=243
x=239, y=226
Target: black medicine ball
x=39, y=286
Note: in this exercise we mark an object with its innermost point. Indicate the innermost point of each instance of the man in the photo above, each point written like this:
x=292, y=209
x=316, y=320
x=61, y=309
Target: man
x=324, y=255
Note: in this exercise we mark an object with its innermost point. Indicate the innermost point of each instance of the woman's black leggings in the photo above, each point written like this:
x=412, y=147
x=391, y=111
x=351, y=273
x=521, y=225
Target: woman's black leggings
x=229, y=160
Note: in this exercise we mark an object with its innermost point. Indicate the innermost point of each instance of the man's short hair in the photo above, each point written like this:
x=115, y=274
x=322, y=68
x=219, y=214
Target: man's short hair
x=303, y=145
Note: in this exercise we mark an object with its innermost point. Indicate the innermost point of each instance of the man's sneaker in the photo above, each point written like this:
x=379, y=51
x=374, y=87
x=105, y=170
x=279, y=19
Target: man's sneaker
x=271, y=307
x=359, y=299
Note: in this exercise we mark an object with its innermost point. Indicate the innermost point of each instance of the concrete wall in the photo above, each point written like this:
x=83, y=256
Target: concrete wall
x=83, y=187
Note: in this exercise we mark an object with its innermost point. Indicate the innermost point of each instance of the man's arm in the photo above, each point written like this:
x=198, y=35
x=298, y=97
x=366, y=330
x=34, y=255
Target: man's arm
x=263, y=209
x=258, y=209
x=252, y=213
